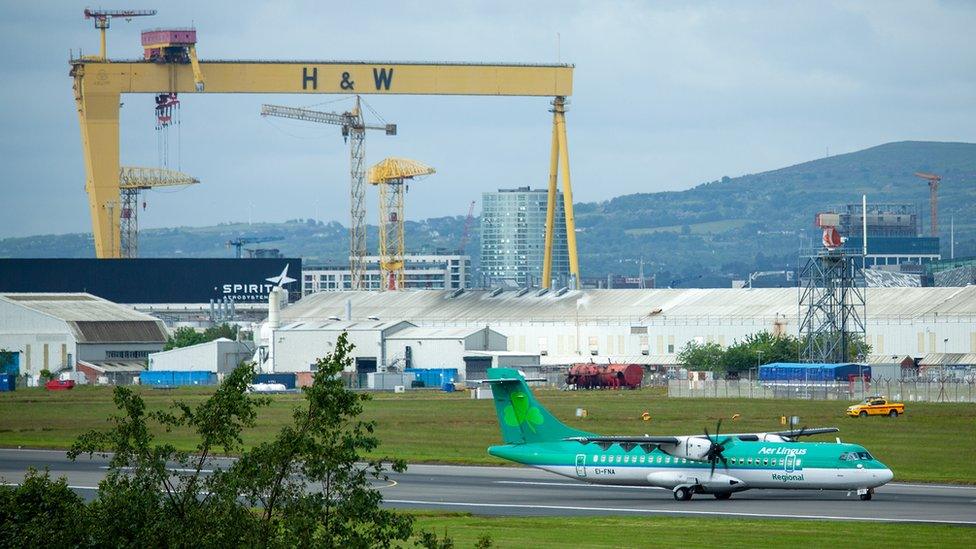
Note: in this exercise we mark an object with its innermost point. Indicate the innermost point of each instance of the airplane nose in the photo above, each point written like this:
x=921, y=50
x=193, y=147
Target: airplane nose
x=887, y=475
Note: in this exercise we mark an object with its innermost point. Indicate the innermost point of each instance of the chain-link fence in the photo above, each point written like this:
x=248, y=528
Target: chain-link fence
x=897, y=389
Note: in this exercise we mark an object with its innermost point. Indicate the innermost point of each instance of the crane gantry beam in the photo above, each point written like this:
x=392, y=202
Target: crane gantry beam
x=99, y=84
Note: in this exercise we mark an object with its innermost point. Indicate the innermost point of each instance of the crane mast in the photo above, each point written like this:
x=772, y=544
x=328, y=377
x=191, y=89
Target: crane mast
x=104, y=17
x=934, y=181
x=354, y=130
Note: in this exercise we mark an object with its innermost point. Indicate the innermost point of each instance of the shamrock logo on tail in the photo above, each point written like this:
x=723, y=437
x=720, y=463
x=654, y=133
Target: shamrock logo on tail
x=519, y=412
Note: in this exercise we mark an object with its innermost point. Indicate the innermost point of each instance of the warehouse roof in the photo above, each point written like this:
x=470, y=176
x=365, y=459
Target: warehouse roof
x=344, y=325
x=438, y=332
x=636, y=306
x=91, y=318
x=948, y=359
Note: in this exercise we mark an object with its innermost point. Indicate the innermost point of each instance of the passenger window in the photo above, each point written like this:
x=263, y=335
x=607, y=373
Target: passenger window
x=642, y=459
x=626, y=459
x=750, y=461
x=667, y=460
x=798, y=463
x=659, y=459
x=603, y=458
x=619, y=458
x=765, y=461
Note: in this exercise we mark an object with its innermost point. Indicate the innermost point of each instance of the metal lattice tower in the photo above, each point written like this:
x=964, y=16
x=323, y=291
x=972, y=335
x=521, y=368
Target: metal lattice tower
x=353, y=129
x=832, y=305
x=390, y=176
x=131, y=182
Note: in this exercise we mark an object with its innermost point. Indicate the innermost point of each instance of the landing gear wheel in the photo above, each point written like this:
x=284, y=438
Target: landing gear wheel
x=863, y=414
x=682, y=494
x=867, y=496
x=893, y=413
x=723, y=495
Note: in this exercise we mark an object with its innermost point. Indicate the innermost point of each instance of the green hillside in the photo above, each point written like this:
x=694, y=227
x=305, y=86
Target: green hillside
x=703, y=236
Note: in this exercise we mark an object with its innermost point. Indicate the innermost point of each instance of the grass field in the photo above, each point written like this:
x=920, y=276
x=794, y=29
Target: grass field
x=606, y=532
x=932, y=443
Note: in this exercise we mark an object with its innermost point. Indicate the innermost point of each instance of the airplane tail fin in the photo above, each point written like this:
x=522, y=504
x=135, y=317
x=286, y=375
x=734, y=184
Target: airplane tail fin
x=521, y=417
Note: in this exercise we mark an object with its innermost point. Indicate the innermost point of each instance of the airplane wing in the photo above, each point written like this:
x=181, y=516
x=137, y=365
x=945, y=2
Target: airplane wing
x=805, y=432
x=646, y=442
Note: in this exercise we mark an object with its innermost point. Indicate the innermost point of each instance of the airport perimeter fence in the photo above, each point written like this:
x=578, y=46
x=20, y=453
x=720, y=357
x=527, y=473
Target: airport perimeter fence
x=899, y=390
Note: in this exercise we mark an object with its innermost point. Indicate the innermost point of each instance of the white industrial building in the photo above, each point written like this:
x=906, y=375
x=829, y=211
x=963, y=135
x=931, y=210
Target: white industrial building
x=220, y=356
x=420, y=272
x=76, y=331
x=443, y=347
x=297, y=346
x=651, y=326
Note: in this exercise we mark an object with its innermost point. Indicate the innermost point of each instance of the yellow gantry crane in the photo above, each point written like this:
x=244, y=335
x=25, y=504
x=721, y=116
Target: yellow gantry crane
x=354, y=129
x=99, y=83
x=132, y=181
x=390, y=175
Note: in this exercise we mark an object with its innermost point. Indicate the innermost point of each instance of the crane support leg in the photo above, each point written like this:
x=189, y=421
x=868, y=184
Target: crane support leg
x=98, y=115
x=551, y=204
x=195, y=64
x=560, y=107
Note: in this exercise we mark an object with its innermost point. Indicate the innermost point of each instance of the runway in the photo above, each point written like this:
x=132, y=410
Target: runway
x=522, y=492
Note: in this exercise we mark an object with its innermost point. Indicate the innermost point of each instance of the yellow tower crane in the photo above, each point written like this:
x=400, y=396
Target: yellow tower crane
x=390, y=176
x=354, y=129
x=132, y=180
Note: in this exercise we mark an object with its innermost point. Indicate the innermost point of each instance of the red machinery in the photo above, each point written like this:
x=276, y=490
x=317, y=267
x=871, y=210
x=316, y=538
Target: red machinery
x=610, y=376
x=59, y=385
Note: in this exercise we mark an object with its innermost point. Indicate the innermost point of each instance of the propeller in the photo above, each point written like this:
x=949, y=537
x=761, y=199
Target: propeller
x=716, y=447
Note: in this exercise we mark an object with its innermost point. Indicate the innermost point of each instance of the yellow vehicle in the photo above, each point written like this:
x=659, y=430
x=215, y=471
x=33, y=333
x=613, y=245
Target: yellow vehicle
x=876, y=406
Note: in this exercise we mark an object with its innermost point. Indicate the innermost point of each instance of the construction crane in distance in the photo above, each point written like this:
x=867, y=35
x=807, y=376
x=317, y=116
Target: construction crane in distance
x=241, y=241
x=390, y=176
x=104, y=17
x=466, y=234
x=934, y=181
x=132, y=181
x=354, y=131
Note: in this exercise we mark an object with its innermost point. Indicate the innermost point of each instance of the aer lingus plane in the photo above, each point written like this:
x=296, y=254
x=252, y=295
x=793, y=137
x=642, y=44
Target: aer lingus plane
x=718, y=464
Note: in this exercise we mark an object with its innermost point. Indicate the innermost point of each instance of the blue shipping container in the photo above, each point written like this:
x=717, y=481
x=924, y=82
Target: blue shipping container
x=288, y=380
x=434, y=377
x=172, y=378
x=8, y=382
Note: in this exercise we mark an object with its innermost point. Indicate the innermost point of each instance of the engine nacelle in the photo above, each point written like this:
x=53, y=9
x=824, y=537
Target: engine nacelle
x=693, y=448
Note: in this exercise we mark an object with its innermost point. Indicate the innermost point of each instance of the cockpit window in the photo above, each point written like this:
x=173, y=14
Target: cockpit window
x=864, y=455
x=855, y=456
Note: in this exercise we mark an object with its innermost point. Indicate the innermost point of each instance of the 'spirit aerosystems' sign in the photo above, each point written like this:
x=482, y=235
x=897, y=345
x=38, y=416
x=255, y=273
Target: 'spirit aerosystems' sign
x=154, y=280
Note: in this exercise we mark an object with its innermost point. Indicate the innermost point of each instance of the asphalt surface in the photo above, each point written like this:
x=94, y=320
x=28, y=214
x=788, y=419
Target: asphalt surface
x=523, y=492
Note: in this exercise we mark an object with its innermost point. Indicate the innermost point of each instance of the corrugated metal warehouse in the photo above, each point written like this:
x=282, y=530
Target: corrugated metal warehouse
x=76, y=330
x=651, y=326
x=442, y=347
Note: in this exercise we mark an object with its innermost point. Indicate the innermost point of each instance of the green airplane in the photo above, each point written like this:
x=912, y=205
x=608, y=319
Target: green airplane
x=684, y=464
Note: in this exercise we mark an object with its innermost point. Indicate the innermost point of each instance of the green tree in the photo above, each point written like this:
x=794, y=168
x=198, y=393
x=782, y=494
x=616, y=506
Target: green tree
x=223, y=330
x=184, y=336
x=144, y=501
x=41, y=512
x=701, y=356
x=326, y=445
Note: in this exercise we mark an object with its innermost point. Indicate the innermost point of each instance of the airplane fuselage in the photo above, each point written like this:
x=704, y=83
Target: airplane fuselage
x=750, y=465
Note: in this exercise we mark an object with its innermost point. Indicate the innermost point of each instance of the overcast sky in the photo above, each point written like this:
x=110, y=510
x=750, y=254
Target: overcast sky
x=667, y=95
